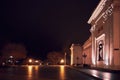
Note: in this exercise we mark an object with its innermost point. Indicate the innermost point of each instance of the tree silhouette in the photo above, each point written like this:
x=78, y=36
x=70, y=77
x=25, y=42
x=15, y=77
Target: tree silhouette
x=17, y=51
x=55, y=57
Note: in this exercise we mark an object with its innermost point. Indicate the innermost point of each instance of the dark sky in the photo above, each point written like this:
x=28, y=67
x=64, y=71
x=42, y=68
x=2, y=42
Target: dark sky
x=45, y=25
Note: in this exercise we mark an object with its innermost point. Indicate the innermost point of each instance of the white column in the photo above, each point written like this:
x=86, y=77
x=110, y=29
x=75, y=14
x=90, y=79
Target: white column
x=93, y=45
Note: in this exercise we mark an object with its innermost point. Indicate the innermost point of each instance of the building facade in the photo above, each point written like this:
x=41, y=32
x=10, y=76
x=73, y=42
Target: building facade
x=87, y=50
x=76, y=54
x=105, y=30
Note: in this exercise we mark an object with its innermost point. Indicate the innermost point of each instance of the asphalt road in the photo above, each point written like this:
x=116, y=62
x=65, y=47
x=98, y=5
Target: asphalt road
x=42, y=73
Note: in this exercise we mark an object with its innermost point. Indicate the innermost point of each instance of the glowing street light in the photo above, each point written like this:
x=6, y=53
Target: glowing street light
x=30, y=60
x=62, y=61
x=36, y=61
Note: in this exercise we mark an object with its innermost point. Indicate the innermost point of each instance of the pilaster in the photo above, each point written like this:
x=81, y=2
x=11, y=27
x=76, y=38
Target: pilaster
x=116, y=30
x=93, y=45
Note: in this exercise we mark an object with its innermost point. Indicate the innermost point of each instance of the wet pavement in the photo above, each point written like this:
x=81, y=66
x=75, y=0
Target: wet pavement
x=101, y=73
x=42, y=73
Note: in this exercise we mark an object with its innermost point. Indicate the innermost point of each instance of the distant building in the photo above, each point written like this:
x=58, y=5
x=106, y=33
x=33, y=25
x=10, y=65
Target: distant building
x=76, y=54
x=105, y=30
x=87, y=50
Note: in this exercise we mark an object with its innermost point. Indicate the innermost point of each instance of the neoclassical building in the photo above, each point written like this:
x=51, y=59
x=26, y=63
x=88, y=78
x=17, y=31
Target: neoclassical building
x=105, y=31
x=76, y=54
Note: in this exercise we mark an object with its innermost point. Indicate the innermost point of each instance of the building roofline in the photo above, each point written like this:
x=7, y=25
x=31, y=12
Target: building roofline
x=97, y=11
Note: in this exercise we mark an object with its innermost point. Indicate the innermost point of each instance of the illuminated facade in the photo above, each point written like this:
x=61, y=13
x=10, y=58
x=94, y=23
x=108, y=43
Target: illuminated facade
x=87, y=50
x=105, y=30
x=76, y=54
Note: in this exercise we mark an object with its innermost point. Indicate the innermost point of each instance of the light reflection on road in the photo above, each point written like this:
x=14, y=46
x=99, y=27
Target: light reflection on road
x=102, y=75
x=107, y=76
x=36, y=72
x=36, y=68
x=30, y=70
x=62, y=72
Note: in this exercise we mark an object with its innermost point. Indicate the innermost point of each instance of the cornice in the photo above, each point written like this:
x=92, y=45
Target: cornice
x=97, y=10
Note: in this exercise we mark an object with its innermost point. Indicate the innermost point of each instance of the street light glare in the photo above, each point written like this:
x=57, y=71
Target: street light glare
x=36, y=61
x=30, y=60
x=62, y=61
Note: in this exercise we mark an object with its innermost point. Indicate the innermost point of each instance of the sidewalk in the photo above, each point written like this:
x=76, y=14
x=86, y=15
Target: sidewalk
x=100, y=73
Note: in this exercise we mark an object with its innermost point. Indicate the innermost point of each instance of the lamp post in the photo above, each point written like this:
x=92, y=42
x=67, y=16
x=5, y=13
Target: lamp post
x=84, y=56
x=65, y=58
x=77, y=58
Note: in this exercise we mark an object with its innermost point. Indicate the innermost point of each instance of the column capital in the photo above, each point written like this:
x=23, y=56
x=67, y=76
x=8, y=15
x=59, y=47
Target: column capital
x=92, y=29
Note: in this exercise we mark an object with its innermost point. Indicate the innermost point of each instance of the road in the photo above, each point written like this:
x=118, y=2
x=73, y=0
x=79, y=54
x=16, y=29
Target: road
x=42, y=73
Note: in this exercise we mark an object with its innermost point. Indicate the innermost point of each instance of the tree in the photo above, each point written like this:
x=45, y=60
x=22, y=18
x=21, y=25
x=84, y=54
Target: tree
x=55, y=57
x=17, y=51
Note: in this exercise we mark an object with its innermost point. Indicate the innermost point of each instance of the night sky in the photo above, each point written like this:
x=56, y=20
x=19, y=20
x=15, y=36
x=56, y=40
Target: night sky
x=45, y=25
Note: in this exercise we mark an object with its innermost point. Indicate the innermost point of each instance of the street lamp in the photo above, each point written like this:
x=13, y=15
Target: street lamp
x=36, y=61
x=77, y=60
x=62, y=61
x=84, y=56
x=30, y=60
